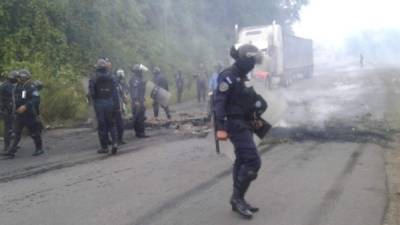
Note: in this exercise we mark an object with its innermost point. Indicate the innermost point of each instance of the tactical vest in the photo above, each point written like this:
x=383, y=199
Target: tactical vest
x=242, y=98
x=104, y=86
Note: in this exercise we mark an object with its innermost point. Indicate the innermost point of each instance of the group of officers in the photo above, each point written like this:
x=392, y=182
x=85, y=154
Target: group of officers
x=236, y=107
x=109, y=93
x=20, y=103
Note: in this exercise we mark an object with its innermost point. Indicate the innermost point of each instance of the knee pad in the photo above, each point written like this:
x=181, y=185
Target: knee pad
x=247, y=174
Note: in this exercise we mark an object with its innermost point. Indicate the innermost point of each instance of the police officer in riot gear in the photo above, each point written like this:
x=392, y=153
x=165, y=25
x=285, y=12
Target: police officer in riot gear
x=179, y=84
x=236, y=104
x=201, y=83
x=7, y=99
x=137, y=89
x=160, y=80
x=103, y=92
x=26, y=103
x=122, y=94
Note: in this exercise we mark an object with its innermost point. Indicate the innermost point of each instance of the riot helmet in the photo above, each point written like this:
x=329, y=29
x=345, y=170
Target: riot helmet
x=24, y=75
x=156, y=70
x=38, y=84
x=246, y=57
x=138, y=69
x=121, y=74
x=101, y=64
x=13, y=76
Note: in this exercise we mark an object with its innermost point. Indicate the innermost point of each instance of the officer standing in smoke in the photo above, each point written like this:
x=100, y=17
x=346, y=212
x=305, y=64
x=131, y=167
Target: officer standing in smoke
x=236, y=105
x=159, y=80
x=201, y=83
x=137, y=89
x=7, y=90
x=103, y=92
x=179, y=83
x=27, y=100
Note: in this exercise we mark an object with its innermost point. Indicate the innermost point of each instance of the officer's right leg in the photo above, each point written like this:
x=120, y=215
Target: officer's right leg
x=245, y=168
x=120, y=127
x=8, y=130
x=102, y=127
x=139, y=124
x=179, y=92
x=35, y=130
x=19, y=126
x=111, y=126
x=156, y=108
x=198, y=92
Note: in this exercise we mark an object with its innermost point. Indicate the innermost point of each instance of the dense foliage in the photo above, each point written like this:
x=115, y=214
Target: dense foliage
x=60, y=39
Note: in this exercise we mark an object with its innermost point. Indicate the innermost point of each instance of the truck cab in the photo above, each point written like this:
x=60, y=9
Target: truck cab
x=284, y=56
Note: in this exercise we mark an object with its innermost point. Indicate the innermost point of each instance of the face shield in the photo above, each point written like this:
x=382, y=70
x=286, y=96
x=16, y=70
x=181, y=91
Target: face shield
x=256, y=56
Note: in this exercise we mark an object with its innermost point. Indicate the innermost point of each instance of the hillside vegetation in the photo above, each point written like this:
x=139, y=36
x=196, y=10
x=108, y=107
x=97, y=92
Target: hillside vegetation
x=59, y=40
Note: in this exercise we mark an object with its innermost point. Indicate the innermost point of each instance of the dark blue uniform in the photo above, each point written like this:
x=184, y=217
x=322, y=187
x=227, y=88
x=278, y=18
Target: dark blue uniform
x=179, y=83
x=119, y=122
x=27, y=95
x=8, y=109
x=201, y=85
x=234, y=112
x=103, y=92
x=234, y=104
x=137, y=89
x=161, y=81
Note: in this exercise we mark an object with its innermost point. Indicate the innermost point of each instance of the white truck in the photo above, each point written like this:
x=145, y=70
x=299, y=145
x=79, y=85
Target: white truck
x=286, y=57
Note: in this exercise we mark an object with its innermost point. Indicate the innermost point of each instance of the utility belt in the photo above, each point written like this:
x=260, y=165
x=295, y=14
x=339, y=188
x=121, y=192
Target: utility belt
x=239, y=117
x=103, y=98
x=257, y=125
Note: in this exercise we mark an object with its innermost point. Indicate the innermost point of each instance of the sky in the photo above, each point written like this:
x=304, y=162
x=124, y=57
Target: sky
x=330, y=21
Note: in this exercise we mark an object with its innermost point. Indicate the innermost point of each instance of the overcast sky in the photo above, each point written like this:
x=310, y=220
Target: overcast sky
x=329, y=21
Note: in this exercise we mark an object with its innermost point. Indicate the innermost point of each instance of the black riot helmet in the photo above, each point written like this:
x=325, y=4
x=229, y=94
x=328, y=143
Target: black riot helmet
x=101, y=64
x=24, y=75
x=156, y=70
x=38, y=84
x=13, y=76
x=138, y=69
x=246, y=57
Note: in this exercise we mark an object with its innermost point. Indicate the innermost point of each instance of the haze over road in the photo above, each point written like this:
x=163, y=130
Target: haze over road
x=321, y=166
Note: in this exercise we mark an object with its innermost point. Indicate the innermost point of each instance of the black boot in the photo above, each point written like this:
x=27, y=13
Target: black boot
x=250, y=207
x=38, y=152
x=245, y=186
x=9, y=155
x=114, y=149
x=121, y=142
x=239, y=205
x=103, y=150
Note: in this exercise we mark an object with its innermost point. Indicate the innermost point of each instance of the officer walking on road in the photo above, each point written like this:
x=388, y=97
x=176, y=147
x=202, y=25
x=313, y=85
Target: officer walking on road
x=103, y=92
x=235, y=104
x=160, y=80
x=123, y=100
x=7, y=97
x=27, y=100
x=137, y=89
x=179, y=83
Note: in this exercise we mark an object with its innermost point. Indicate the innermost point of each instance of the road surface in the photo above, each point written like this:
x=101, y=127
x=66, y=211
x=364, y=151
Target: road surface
x=323, y=165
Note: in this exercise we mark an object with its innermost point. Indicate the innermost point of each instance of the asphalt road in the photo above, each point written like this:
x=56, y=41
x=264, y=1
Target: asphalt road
x=174, y=179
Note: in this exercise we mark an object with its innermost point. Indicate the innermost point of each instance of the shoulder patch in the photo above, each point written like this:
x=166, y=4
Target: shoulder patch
x=229, y=80
x=223, y=86
x=36, y=93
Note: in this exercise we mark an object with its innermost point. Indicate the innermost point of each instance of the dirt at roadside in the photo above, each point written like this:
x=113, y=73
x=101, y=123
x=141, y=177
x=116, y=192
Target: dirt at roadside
x=391, y=79
x=393, y=175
